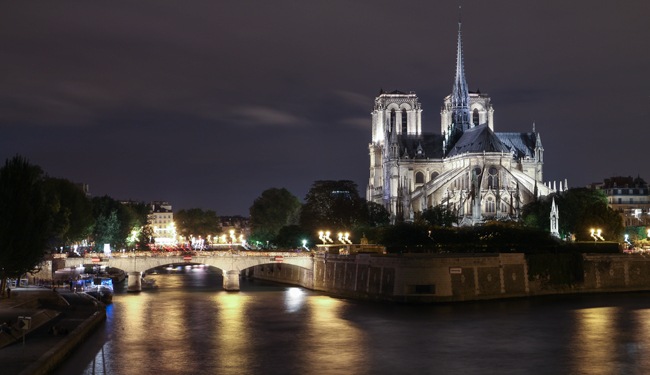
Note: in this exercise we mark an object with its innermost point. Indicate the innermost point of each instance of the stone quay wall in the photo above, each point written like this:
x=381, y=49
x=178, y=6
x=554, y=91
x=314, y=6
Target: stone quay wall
x=452, y=277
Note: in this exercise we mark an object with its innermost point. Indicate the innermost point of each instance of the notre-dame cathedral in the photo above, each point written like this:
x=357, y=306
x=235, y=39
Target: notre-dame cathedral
x=468, y=168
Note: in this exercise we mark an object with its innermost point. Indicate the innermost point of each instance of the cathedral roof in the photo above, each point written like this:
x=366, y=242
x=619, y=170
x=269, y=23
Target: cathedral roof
x=478, y=139
x=421, y=146
x=522, y=145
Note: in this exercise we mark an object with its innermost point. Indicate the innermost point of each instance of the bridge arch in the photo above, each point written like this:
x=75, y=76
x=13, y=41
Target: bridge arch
x=231, y=263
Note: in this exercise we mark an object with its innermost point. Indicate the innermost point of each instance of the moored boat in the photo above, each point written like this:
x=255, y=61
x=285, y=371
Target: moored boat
x=100, y=288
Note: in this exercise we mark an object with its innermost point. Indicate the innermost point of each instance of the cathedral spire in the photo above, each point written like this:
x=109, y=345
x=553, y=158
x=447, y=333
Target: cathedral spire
x=460, y=94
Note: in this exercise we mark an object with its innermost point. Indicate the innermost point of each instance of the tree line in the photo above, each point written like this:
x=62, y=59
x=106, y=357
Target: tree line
x=278, y=219
x=40, y=213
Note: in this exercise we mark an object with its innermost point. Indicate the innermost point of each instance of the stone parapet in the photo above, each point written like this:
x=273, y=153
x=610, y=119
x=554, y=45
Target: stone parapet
x=453, y=277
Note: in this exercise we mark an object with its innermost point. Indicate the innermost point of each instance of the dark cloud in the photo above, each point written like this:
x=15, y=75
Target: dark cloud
x=207, y=104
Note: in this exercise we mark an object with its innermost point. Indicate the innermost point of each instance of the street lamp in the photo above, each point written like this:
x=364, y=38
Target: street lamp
x=324, y=236
x=596, y=234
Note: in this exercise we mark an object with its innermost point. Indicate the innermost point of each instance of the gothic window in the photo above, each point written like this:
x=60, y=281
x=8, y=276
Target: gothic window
x=434, y=175
x=489, y=205
x=419, y=178
x=475, y=117
x=404, y=122
x=493, y=181
x=392, y=120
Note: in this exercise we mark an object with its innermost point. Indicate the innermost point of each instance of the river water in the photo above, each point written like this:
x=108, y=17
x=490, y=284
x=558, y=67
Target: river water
x=189, y=325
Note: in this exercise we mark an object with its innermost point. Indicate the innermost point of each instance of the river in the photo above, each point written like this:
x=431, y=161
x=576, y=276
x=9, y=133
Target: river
x=189, y=325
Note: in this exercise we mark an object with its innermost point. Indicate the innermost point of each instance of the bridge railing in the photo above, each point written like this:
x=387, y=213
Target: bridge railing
x=217, y=253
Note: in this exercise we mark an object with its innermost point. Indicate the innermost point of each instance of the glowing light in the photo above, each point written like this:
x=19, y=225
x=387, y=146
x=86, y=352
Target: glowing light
x=325, y=237
x=294, y=299
x=596, y=234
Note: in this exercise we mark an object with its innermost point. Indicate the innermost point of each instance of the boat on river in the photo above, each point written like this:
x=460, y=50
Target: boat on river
x=101, y=288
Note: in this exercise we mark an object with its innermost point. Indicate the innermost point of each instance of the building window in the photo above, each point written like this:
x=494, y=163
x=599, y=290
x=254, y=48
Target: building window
x=475, y=117
x=419, y=178
x=392, y=120
x=404, y=121
x=493, y=181
x=489, y=205
x=434, y=175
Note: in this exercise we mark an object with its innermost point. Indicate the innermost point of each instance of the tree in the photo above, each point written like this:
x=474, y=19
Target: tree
x=333, y=205
x=439, y=216
x=25, y=218
x=271, y=211
x=112, y=222
x=378, y=215
x=406, y=237
x=107, y=230
x=196, y=222
x=141, y=233
x=581, y=209
x=73, y=221
x=291, y=236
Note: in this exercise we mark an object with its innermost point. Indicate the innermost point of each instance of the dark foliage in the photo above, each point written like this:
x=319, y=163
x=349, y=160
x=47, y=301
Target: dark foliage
x=25, y=218
x=197, y=222
x=271, y=211
x=333, y=205
x=73, y=221
x=291, y=236
x=580, y=210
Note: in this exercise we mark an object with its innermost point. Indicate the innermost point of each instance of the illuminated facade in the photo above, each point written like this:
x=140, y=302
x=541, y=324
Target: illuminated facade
x=161, y=220
x=630, y=197
x=468, y=168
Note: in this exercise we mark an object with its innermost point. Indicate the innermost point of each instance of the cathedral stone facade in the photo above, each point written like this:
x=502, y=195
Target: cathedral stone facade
x=468, y=168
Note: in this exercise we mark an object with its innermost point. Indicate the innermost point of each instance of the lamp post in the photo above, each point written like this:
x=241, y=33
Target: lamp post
x=324, y=236
x=596, y=234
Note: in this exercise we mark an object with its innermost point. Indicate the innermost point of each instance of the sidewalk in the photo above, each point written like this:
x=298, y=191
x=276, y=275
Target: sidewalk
x=60, y=320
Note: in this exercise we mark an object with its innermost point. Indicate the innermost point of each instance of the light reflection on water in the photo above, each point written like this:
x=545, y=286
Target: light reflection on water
x=189, y=325
x=594, y=335
x=332, y=344
x=233, y=340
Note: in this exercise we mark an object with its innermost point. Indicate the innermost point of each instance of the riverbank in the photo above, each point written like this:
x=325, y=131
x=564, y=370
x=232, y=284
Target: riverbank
x=60, y=321
x=432, y=278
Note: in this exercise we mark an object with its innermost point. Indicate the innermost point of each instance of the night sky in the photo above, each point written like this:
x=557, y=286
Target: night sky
x=208, y=103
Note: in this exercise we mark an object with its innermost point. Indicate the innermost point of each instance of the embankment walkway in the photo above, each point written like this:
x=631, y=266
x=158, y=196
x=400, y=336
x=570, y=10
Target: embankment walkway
x=59, y=321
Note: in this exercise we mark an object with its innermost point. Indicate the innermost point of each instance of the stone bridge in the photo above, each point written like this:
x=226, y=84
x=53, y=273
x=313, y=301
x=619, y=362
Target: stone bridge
x=231, y=263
